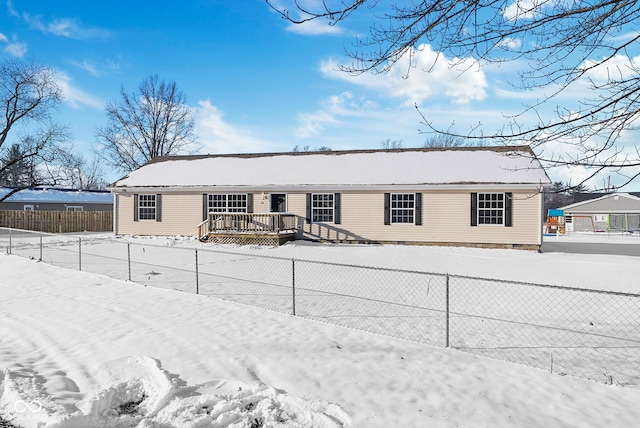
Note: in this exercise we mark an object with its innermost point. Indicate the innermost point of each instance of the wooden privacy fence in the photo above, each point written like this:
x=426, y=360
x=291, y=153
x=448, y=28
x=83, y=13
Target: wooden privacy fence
x=58, y=221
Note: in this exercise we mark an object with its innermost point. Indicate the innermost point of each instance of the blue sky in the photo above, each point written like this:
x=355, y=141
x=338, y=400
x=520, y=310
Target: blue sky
x=255, y=82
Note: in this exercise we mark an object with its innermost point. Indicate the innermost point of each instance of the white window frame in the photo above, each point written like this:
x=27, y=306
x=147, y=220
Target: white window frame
x=147, y=204
x=228, y=202
x=30, y=208
x=402, y=214
x=491, y=206
x=323, y=206
x=75, y=208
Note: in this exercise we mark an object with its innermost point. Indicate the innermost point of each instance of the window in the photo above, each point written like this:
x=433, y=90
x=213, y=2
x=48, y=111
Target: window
x=322, y=207
x=231, y=203
x=402, y=207
x=147, y=207
x=29, y=208
x=74, y=208
x=491, y=208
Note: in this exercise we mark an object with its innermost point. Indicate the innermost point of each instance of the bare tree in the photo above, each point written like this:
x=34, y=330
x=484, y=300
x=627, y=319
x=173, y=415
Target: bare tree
x=388, y=143
x=306, y=149
x=79, y=173
x=444, y=140
x=560, y=194
x=29, y=137
x=560, y=46
x=154, y=121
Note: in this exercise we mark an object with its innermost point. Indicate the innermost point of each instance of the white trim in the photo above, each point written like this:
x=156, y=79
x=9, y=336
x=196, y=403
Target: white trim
x=413, y=215
x=155, y=207
x=503, y=208
x=333, y=208
x=286, y=200
x=226, y=202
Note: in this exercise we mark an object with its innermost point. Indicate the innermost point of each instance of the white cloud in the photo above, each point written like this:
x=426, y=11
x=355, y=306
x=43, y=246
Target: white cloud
x=217, y=136
x=86, y=66
x=430, y=74
x=313, y=123
x=11, y=9
x=509, y=43
x=334, y=112
x=76, y=97
x=525, y=9
x=614, y=68
x=14, y=48
x=314, y=28
x=64, y=27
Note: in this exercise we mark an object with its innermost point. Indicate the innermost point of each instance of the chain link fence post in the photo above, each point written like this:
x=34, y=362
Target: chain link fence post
x=197, y=276
x=80, y=254
x=293, y=284
x=10, y=236
x=447, y=310
x=129, y=259
x=40, y=259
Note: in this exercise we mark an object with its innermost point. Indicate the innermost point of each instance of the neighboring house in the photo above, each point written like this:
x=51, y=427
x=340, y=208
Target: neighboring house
x=581, y=197
x=480, y=196
x=615, y=211
x=45, y=199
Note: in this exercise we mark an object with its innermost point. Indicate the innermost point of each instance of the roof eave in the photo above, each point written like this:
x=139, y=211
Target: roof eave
x=331, y=187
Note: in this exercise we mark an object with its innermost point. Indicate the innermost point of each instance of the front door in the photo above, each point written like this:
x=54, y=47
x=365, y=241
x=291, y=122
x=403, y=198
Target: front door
x=278, y=203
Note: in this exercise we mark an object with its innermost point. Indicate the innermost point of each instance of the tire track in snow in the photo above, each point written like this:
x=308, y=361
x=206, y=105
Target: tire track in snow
x=37, y=346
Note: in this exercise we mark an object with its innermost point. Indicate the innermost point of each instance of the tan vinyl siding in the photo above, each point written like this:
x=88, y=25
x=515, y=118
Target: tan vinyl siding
x=445, y=218
x=261, y=203
x=181, y=214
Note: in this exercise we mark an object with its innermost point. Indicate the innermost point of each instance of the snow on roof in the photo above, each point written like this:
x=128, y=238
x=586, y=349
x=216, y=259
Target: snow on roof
x=348, y=168
x=612, y=202
x=58, y=196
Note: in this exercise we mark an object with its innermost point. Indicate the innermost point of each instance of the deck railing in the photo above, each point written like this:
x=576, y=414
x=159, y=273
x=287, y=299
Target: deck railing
x=258, y=223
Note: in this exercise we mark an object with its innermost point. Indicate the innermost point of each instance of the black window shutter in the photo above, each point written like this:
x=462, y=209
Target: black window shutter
x=158, y=207
x=135, y=207
x=205, y=207
x=337, y=209
x=474, y=209
x=308, y=219
x=387, y=208
x=508, y=209
x=249, y=203
x=418, y=205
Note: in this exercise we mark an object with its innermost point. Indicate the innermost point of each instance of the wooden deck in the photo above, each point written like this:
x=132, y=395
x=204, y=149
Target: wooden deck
x=248, y=229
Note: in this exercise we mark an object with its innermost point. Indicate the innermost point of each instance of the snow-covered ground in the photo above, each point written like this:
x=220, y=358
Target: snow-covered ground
x=83, y=350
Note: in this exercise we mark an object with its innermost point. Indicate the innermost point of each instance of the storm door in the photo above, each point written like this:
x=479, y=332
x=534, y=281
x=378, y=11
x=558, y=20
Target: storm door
x=278, y=203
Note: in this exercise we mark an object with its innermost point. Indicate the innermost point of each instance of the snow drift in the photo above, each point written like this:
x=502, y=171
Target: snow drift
x=138, y=392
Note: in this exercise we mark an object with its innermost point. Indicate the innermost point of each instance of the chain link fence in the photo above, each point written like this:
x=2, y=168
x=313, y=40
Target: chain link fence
x=569, y=331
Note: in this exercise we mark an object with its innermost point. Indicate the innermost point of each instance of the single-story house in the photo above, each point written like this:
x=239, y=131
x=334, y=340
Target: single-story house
x=611, y=212
x=475, y=196
x=48, y=199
